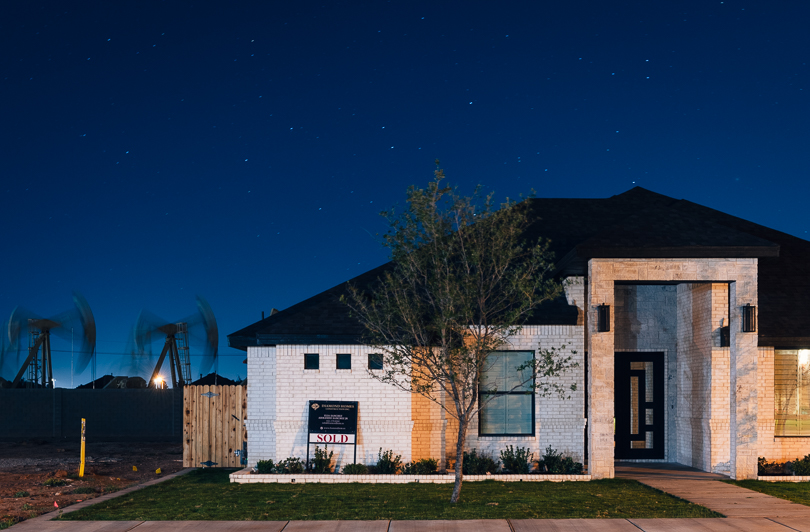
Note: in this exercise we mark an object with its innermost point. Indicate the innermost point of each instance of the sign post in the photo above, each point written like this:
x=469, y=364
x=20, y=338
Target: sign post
x=81, y=463
x=332, y=422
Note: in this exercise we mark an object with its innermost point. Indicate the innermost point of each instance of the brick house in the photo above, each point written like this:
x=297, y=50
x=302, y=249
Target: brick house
x=691, y=326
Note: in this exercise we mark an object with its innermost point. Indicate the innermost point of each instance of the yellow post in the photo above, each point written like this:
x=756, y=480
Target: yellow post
x=81, y=466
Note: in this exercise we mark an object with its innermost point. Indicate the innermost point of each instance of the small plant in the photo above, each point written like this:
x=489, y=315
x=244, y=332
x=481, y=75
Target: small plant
x=21, y=494
x=802, y=467
x=84, y=489
x=265, y=467
x=110, y=489
x=517, y=461
x=475, y=464
x=53, y=482
x=425, y=466
x=290, y=466
x=26, y=506
x=6, y=522
x=387, y=463
x=553, y=463
x=355, y=469
x=322, y=463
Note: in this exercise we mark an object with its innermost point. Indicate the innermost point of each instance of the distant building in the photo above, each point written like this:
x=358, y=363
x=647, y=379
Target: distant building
x=691, y=328
x=213, y=379
x=113, y=382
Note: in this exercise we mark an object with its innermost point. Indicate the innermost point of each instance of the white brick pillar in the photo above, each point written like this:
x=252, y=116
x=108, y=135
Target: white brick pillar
x=600, y=372
x=743, y=377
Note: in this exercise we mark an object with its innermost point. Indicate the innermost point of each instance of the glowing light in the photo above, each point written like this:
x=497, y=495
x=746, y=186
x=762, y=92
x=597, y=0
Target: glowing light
x=159, y=381
x=804, y=356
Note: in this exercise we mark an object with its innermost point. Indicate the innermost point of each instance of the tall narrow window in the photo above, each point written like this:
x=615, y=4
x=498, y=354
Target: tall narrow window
x=791, y=376
x=507, y=395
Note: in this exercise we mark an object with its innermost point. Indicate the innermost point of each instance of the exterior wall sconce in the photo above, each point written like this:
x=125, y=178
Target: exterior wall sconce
x=749, y=318
x=603, y=318
x=725, y=336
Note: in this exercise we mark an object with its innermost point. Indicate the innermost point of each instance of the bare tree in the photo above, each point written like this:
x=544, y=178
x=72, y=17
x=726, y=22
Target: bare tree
x=463, y=280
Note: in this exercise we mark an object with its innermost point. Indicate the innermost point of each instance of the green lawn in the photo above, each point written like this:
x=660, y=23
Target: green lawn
x=206, y=494
x=798, y=492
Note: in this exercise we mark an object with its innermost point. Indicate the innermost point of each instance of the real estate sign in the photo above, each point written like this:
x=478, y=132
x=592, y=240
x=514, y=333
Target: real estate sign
x=333, y=422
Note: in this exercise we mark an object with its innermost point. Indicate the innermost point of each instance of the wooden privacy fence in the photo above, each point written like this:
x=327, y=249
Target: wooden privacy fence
x=214, y=425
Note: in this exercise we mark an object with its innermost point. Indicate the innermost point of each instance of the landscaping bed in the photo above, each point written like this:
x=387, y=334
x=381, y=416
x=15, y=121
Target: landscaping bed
x=247, y=476
x=208, y=494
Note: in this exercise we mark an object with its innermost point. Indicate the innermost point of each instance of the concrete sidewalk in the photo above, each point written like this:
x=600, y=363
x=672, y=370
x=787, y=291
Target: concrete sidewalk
x=755, y=524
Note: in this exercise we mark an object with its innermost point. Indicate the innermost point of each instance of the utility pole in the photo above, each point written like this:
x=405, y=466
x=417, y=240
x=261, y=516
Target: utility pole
x=71, y=358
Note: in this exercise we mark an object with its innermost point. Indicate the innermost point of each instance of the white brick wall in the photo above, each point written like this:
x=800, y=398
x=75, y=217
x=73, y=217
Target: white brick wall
x=279, y=390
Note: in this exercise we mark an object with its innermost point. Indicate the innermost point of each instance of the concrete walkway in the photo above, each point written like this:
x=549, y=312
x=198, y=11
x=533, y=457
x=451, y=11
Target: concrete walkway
x=706, y=490
x=747, y=511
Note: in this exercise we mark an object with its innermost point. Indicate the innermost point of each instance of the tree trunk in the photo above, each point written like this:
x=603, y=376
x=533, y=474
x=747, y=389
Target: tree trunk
x=462, y=435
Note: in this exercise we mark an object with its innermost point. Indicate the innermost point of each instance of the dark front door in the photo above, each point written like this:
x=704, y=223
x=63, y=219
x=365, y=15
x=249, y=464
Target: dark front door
x=639, y=408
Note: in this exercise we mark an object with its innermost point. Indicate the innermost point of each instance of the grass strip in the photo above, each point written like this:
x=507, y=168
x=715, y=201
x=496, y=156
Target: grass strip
x=206, y=494
x=798, y=492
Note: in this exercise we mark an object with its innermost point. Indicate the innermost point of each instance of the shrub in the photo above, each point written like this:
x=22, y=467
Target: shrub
x=290, y=466
x=425, y=466
x=84, y=489
x=52, y=482
x=322, y=463
x=766, y=468
x=265, y=467
x=475, y=464
x=517, y=461
x=802, y=467
x=387, y=463
x=355, y=469
x=21, y=494
x=553, y=463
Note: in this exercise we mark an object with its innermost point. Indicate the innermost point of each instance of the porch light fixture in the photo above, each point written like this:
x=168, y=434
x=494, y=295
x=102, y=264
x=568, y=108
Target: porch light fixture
x=749, y=318
x=603, y=318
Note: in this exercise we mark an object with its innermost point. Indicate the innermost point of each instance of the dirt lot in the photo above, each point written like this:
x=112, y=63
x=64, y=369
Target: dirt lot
x=27, y=468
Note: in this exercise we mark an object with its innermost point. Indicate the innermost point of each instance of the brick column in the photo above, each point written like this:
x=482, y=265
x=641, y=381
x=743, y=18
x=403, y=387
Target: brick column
x=600, y=372
x=743, y=377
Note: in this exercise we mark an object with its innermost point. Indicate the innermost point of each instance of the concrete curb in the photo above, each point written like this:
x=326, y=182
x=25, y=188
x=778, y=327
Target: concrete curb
x=84, y=504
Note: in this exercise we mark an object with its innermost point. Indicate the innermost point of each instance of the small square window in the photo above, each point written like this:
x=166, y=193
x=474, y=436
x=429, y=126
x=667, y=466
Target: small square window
x=375, y=361
x=344, y=362
x=312, y=361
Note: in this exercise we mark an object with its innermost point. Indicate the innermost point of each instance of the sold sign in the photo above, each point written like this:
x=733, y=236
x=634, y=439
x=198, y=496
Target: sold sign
x=331, y=438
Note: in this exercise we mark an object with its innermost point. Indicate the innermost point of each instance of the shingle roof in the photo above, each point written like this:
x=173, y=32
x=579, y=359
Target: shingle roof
x=637, y=223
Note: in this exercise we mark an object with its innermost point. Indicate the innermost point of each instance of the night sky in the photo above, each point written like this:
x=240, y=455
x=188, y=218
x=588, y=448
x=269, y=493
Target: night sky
x=153, y=151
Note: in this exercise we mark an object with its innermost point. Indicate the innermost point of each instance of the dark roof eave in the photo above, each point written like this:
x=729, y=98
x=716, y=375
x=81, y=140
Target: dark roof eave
x=787, y=342
x=681, y=252
x=309, y=339
x=242, y=342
